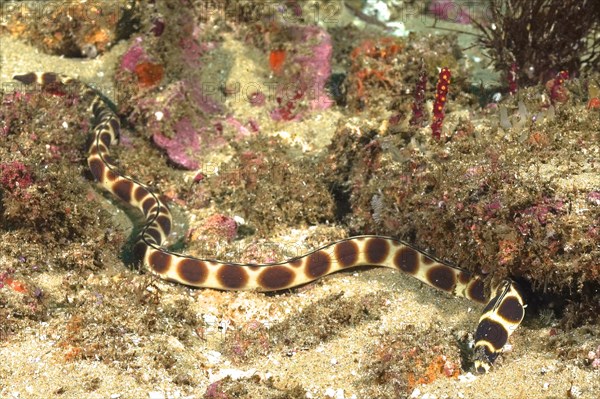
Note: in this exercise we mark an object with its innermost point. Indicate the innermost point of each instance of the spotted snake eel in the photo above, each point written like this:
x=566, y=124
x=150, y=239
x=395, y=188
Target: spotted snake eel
x=502, y=314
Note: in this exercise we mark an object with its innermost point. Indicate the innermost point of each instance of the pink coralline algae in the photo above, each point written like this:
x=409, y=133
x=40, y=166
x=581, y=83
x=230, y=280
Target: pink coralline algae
x=594, y=197
x=182, y=147
x=134, y=55
x=136, y=60
x=244, y=131
x=218, y=226
x=286, y=111
x=594, y=357
x=312, y=56
x=15, y=176
x=186, y=136
x=215, y=391
x=184, y=119
x=317, y=66
x=449, y=10
x=190, y=44
x=191, y=52
x=201, y=98
x=542, y=212
x=257, y=99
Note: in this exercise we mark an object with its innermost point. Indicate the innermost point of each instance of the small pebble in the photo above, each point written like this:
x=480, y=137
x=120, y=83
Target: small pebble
x=575, y=391
x=210, y=319
x=89, y=51
x=469, y=377
x=156, y=395
x=398, y=29
x=239, y=220
x=378, y=9
x=213, y=357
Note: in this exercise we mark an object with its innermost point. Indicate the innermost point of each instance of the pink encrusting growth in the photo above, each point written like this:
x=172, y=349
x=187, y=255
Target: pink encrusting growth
x=15, y=176
x=185, y=119
x=449, y=10
x=441, y=97
x=307, y=80
x=182, y=136
x=134, y=55
x=182, y=147
x=220, y=226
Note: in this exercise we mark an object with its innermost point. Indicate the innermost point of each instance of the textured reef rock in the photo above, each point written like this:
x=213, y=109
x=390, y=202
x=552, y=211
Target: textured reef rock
x=69, y=28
